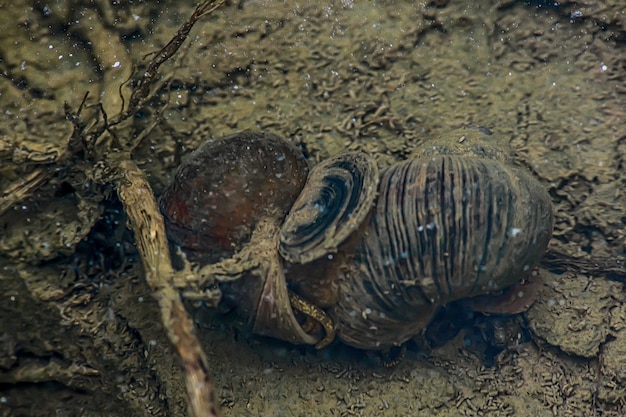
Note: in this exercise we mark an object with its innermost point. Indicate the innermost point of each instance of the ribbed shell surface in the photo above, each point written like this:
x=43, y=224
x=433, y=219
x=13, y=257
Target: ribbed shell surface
x=445, y=227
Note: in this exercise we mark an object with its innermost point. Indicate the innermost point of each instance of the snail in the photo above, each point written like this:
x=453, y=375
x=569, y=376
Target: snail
x=225, y=191
x=370, y=256
x=225, y=187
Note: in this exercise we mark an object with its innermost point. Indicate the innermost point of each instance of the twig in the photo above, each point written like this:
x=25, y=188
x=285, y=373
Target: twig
x=81, y=144
x=147, y=224
x=21, y=188
x=140, y=93
x=614, y=268
x=143, y=213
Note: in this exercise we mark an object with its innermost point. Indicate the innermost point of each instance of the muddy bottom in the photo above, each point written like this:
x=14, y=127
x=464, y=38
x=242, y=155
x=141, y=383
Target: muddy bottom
x=79, y=329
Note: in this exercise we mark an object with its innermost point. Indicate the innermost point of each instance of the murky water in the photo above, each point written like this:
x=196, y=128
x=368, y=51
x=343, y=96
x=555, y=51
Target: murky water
x=78, y=327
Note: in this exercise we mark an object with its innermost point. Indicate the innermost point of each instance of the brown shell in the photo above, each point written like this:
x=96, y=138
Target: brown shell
x=338, y=196
x=224, y=192
x=445, y=227
x=225, y=187
x=321, y=228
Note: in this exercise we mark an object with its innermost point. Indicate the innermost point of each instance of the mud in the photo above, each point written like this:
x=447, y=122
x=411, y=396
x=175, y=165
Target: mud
x=79, y=329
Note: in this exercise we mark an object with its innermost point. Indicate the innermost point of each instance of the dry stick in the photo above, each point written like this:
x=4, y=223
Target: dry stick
x=147, y=224
x=21, y=188
x=146, y=221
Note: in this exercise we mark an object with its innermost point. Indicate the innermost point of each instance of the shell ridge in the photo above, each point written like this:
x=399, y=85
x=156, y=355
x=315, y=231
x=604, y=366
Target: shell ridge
x=387, y=294
x=408, y=228
x=386, y=275
x=488, y=194
x=443, y=236
x=456, y=196
x=509, y=223
x=404, y=238
x=430, y=200
x=465, y=222
x=405, y=224
x=418, y=203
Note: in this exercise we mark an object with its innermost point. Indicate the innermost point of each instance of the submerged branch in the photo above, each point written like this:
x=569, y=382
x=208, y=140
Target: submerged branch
x=147, y=224
x=135, y=193
x=614, y=268
x=81, y=144
x=141, y=92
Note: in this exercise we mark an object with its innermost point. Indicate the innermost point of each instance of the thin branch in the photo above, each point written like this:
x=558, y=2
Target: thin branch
x=147, y=224
x=22, y=188
x=141, y=92
x=614, y=268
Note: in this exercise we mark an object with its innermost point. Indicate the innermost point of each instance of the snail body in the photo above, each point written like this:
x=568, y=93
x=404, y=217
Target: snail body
x=380, y=253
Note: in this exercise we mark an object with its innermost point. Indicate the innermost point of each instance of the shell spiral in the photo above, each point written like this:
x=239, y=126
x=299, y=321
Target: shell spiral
x=338, y=196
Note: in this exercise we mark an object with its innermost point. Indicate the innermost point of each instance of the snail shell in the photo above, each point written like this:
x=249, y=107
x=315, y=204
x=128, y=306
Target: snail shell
x=224, y=192
x=455, y=220
x=320, y=228
x=339, y=195
x=226, y=187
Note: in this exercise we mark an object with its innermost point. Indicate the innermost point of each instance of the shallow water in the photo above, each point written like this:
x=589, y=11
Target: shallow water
x=380, y=77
